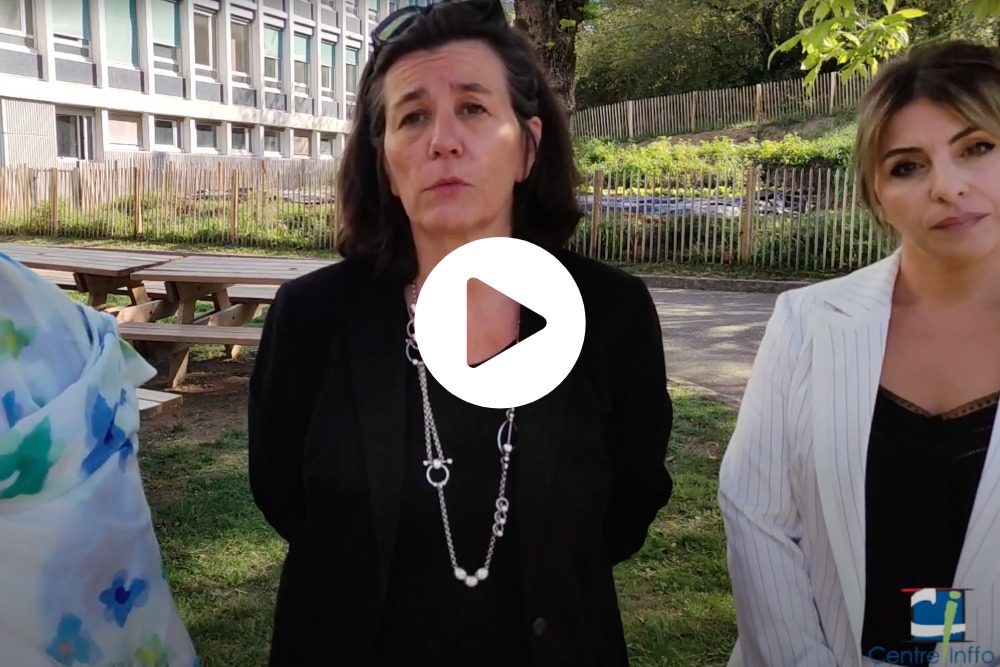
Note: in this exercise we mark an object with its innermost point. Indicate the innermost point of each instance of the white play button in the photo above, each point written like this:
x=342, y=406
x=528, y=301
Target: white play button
x=525, y=273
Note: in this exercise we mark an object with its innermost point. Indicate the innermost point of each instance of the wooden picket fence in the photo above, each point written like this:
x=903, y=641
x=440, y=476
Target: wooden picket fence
x=706, y=110
x=780, y=218
x=777, y=218
x=261, y=203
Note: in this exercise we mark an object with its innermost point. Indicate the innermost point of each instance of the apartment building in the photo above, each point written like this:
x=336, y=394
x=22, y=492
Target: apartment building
x=93, y=79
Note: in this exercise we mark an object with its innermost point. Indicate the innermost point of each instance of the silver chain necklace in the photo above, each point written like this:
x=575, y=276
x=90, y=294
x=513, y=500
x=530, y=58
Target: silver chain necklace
x=436, y=466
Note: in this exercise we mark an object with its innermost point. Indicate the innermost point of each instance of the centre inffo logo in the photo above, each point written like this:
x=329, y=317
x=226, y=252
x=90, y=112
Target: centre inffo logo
x=937, y=614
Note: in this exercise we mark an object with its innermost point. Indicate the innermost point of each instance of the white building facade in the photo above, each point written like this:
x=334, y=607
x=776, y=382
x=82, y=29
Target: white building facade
x=91, y=79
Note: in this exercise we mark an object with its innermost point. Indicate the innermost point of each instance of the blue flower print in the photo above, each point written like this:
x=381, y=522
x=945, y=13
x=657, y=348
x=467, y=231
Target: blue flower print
x=106, y=438
x=10, y=409
x=119, y=599
x=71, y=645
x=97, y=330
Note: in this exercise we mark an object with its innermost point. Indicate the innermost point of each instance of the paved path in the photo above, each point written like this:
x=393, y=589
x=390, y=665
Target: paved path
x=710, y=338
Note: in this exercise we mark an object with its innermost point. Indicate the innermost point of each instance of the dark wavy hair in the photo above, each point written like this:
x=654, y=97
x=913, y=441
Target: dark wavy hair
x=374, y=225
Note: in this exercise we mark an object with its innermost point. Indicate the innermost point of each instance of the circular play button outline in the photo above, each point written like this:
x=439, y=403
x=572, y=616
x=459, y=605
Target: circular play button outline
x=525, y=273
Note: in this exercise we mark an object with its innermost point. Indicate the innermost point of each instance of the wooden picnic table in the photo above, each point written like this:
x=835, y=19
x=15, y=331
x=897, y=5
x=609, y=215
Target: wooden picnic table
x=208, y=277
x=96, y=272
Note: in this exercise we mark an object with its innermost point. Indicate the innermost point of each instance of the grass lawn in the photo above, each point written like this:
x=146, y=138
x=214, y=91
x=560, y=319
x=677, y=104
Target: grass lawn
x=222, y=559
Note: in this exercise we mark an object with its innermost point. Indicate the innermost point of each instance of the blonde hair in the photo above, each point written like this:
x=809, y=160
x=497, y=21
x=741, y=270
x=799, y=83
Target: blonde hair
x=961, y=76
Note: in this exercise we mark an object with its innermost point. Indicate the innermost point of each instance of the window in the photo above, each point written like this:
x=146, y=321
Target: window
x=13, y=16
x=351, y=7
x=272, y=57
x=166, y=134
x=272, y=141
x=74, y=136
x=393, y=5
x=15, y=23
x=121, y=22
x=205, y=135
x=71, y=26
x=241, y=52
x=326, y=145
x=204, y=44
x=352, y=70
x=328, y=60
x=123, y=130
x=166, y=34
x=240, y=139
x=302, y=143
x=302, y=60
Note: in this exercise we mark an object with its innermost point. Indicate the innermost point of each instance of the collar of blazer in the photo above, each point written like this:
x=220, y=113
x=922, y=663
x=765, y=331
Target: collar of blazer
x=375, y=333
x=848, y=335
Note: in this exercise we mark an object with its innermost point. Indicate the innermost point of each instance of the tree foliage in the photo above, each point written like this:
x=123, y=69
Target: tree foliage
x=855, y=36
x=645, y=48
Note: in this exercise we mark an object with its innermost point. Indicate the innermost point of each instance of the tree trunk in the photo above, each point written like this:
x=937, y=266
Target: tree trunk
x=552, y=26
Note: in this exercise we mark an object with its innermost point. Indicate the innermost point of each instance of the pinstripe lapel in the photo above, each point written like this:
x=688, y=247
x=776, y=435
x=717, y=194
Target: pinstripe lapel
x=849, y=334
x=979, y=564
x=980, y=559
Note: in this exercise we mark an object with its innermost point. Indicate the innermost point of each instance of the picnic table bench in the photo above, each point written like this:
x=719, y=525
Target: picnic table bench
x=259, y=294
x=161, y=285
x=185, y=334
x=96, y=272
x=153, y=402
x=211, y=277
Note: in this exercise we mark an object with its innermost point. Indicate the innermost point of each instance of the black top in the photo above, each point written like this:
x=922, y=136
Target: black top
x=331, y=467
x=430, y=617
x=920, y=485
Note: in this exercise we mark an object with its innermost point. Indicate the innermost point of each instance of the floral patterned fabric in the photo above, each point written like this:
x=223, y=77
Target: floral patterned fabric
x=81, y=579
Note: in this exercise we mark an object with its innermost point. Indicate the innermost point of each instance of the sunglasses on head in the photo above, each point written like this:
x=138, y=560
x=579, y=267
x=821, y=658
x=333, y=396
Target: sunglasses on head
x=401, y=20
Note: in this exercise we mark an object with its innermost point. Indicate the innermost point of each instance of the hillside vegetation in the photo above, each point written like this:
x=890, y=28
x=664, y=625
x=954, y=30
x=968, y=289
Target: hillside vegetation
x=828, y=144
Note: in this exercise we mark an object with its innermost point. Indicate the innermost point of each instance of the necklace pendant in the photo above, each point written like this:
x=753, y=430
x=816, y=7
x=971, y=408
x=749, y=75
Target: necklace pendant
x=441, y=466
x=437, y=468
x=469, y=580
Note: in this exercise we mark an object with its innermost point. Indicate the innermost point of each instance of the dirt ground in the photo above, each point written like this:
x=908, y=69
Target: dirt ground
x=807, y=130
x=215, y=400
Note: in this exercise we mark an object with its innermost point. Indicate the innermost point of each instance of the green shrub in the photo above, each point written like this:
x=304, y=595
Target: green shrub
x=665, y=157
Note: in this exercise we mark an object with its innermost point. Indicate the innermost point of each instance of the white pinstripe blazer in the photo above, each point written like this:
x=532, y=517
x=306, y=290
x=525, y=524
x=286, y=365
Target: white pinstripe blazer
x=792, y=483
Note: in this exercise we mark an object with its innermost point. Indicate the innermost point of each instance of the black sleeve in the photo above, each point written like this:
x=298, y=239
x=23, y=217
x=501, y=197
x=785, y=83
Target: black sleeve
x=638, y=430
x=277, y=418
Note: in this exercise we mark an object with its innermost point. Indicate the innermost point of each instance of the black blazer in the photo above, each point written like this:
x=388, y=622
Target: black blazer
x=326, y=429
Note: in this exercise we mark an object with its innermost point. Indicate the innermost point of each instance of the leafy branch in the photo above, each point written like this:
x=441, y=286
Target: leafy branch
x=837, y=31
x=857, y=42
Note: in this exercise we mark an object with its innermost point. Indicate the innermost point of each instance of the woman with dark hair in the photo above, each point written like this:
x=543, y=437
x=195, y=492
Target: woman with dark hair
x=457, y=137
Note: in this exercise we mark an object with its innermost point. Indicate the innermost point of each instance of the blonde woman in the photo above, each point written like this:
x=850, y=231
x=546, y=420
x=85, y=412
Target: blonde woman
x=861, y=489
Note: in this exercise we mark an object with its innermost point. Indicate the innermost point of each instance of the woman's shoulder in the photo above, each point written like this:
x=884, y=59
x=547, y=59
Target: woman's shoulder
x=864, y=287
x=323, y=286
x=314, y=301
x=601, y=282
